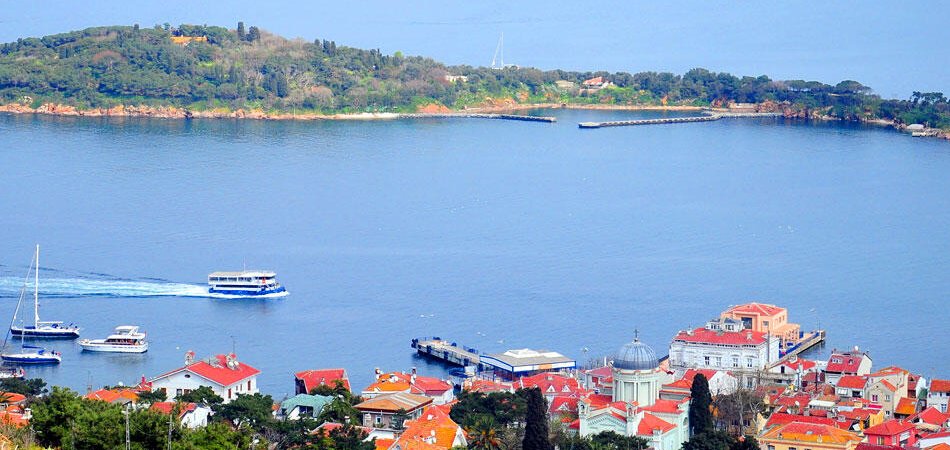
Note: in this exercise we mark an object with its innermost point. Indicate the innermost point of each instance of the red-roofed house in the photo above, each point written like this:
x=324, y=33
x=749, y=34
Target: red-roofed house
x=799, y=435
x=724, y=344
x=851, y=386
x=892, y=432
x=551, y=385
x=938, y=395
x=487, y=386
x=853, y=362
x=387, y=383
x=720, y=382
x=121, y=396
x=600, y=379
x=596, y=83
x=932, y=439
x=434, y=428
x=190, y=415
x=883, y=393
x=931, y=419
x=307, y=380
x=563, y=406
x=224, y=374
x=906, y=407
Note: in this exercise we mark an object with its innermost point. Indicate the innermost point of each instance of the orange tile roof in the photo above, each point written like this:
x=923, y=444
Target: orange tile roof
x=394, y=402
x=322, y=377
x=664, y=406
x=939, y=386
x=649, y=422
x=940, y=446
x=167, y=408
x=889, y=428
x=13, y=418
x=404, y=382
x=810, y=432
x=853, y=382
x=906, y=406
x=933, y=416
x=112, y=395
x=889, y=386
x=756, y=308
x=12, y=397
x=433, y=427
x=383, y=444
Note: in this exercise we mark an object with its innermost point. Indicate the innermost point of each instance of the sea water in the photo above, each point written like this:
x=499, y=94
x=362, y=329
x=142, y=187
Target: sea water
x=494, y=234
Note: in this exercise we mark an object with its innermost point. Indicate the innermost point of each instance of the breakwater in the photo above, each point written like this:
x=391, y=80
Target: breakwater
x=525, y=118
x=707, y=117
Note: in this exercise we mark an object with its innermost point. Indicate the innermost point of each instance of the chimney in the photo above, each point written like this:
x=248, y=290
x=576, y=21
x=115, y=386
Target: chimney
x=413, y=370
x=189, y=357
x=748, y=335
x=378, y=373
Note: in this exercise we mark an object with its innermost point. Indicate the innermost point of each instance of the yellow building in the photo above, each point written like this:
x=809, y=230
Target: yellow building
x=765, y=318
x=808, y=436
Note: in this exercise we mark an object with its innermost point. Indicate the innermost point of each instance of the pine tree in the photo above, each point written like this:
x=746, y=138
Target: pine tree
x=240, y=31
x=700, y=416
x=536, y=422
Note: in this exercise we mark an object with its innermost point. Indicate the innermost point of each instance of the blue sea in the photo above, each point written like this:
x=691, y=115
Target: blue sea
x=494, y=234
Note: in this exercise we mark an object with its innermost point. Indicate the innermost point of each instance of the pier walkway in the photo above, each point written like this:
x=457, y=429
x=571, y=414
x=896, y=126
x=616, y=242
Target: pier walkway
x=807, y=341
x=548, y=119
x=446, y=351
x=707, y=117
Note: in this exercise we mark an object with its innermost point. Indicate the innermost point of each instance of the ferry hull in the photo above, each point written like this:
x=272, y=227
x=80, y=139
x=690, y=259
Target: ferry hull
x=247, y=293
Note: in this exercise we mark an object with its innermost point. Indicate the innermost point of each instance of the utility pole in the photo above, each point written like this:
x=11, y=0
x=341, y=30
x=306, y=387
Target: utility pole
x=168, y=443
x=128, y=439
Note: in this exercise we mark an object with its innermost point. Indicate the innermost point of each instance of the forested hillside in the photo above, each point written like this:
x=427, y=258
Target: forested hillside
x=210, y=67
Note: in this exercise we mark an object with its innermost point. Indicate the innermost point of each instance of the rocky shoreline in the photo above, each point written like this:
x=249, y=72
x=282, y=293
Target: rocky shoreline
x=173, y=112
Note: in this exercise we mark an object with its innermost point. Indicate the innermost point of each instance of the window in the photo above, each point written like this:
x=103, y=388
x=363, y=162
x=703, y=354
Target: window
x=178, y=392
x=229, y=392
x=735, y=361
x=873, y=397
x=378, y=420
x=887, y=397
x=765, y=324
x=748, y=362
x=248, y=385
x=771, y=447
x=792, y=448
x=719, y=361
x=749, y=383
x=880, y=440
x=706, y=360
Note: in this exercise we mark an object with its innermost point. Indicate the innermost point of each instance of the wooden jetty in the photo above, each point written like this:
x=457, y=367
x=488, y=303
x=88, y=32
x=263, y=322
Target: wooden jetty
x=450, y=352
x=525, y=118
x=808, y=341
x=624, y=123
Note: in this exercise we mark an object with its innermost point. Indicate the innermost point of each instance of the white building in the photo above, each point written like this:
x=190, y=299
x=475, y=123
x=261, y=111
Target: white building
x=190, y=415
x=938, y=395
x=224, y=374
x=725, y=344
x=634, y=408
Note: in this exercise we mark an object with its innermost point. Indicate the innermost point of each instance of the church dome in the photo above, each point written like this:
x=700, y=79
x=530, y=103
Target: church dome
x=636, y=356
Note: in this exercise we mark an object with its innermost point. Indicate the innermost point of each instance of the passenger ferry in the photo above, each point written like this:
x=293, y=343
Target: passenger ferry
x=125, y=339
x=246, y=283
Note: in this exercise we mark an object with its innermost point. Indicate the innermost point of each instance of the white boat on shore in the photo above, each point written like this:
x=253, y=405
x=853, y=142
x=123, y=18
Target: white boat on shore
x=125, y=339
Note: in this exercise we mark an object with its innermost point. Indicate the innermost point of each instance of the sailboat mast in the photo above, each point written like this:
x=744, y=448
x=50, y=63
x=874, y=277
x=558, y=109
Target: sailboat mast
x=36, y=289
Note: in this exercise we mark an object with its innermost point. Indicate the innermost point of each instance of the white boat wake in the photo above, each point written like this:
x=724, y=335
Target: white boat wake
x=105, y=286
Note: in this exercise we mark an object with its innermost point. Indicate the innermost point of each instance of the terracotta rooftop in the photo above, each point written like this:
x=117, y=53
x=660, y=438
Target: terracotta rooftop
x=810, y=432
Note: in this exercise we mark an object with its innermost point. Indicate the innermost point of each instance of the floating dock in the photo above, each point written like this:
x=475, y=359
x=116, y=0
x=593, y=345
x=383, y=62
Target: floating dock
x=525, y=118
x=807, y=341
x=446, y=351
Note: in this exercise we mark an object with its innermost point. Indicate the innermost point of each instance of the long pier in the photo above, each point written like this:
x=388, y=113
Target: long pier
x=624, y=123
x=446, y=351
x=525, y=118
x=808, y=341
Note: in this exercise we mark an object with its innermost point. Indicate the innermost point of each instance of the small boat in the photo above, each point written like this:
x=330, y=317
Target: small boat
x=125, y=339
x=32, y=354
x=246, y=283
x=12, y=372
x=40, y=329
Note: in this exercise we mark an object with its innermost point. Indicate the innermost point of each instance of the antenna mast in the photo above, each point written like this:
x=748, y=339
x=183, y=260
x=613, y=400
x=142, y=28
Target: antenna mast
x=499, y=50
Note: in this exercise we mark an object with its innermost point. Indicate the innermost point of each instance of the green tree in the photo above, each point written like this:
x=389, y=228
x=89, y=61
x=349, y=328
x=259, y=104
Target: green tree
x=150, y=397
x=536, y=422
x=204, y=395
x=399, y=419
x=240, y=31
x=484, y=434
x=710, y=440
x=28, y=387
x=700, y=414
x=253, y=411
x=615, y=441
x=340, y=411
x=253, y=34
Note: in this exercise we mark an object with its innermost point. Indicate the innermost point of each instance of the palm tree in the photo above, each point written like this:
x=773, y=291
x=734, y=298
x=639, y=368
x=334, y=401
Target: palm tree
x=484, y=434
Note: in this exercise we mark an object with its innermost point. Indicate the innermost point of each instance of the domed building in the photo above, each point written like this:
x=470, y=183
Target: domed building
x=637, y=374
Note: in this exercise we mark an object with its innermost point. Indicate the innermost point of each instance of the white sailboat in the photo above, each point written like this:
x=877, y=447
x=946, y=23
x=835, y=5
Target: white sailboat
x=40, y=329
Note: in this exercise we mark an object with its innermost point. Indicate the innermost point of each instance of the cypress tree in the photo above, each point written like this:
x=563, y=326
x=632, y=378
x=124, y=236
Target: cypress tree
x=240, y=31
x=700, y=416
x=536, y=422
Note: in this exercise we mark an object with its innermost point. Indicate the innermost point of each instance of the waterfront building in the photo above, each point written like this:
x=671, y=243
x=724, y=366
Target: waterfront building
x=378, y=411
x=306, y=381
x=523, y=362
x=851, y=386
x=892, y=432
x=938, y=395
x=224, y=374
x=725, y=344
x=765, y=318
x=884, y=393
x=814, y=436
x=190, y=415
x=387, y=383
x=302, y=405
x=433, y=430
x=853, y=362
x=634, y=407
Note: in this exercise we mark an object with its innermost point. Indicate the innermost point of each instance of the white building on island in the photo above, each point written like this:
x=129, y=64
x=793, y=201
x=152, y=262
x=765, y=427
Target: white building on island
x=725, y=344
x=224, y=374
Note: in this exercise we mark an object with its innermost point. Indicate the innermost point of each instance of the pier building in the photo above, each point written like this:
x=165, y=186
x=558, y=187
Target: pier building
x=514, y=363
x=765, y=318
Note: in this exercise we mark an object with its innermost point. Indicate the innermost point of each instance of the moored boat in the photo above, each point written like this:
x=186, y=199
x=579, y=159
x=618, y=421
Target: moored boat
x=124, y=339
x=39, y=328
x=246, y=283
x=12, y=372
x=32, y=354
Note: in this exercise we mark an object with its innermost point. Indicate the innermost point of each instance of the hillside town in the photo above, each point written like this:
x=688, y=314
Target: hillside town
x=747, y=358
